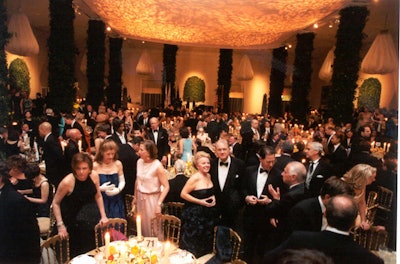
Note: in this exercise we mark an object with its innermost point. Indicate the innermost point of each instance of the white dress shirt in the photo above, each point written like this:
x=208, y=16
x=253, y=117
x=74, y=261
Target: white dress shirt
x=223, y=172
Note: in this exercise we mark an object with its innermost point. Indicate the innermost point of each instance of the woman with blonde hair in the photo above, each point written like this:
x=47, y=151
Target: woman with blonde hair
x=358, y=177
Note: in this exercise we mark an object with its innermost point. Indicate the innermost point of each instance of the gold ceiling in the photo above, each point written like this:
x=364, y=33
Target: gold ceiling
x=234, y=24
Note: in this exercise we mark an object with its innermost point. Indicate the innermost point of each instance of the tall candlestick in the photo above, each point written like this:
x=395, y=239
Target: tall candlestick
x=139, y=227
x=107, y=242
x=169, y=160
x=384, y=146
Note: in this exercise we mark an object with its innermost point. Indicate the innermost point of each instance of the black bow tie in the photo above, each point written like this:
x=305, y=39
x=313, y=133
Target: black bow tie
x=262, y=170
x=155, y=131
x=223, y=164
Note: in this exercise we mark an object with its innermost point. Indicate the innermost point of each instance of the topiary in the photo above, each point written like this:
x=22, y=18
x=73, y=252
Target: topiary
x=19, y=76
x=194, y=90
x=370, y=93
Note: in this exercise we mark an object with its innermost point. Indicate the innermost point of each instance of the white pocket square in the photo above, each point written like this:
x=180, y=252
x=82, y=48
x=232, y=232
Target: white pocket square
x=320, y=176
x=236, y=176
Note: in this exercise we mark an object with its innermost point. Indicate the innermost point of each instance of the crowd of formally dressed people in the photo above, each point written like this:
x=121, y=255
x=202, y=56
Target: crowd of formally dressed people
x=265, y=177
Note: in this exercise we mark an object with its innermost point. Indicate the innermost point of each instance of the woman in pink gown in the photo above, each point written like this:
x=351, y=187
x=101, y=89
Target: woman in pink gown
x=151, y=186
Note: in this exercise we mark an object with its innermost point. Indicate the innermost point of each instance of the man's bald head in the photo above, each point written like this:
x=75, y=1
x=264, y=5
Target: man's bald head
x=44, y=129
x=341, y=212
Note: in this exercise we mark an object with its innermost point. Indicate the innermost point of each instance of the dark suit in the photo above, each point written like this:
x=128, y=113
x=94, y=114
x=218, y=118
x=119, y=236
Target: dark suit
x=70, y=150
x=207, y=150
x=19, y=230
x=53, y=157
x=175, y=187
x=321, y=173
x=162, y=142
x=128, y=158
x=237, y=151
x=306, y=215
x=339, y=247
x=282, y=161
x=255, y=222
x=78, y=126
x=338, y=159
x=117, y=140
x=230, y=199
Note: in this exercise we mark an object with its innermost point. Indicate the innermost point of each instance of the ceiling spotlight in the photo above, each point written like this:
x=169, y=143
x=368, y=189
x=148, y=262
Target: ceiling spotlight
x=143, y=41
x=315, y=25
x=290, y=46
x=108, y=28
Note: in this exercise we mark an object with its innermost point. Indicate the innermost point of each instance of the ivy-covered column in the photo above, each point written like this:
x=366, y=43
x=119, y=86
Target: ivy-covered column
x=4, y=37
x=277, y=78
x=347, y=62
x=95, y=62
x=224, y=79
x=62, y=51
x=169, y=73
x=302, y=76
x=115, y=73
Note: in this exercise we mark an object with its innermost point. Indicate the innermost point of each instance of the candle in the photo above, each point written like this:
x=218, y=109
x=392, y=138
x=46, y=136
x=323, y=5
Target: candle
x=107, y=242
x=167, y=248
x=384, y=146
x=169, y=160
x=139, y=227
x=388, y=146
x=80, y=145
x=373, y=144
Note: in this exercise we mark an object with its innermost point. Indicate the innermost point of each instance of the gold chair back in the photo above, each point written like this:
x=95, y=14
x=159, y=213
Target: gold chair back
x=118, y=224
x=128, y=205
x=55, y=250
x=46, y=223
x=371, y=239
x=385, y=198
x=166, y=227
x=173, y=208
x=372, y=207
x=235, y=241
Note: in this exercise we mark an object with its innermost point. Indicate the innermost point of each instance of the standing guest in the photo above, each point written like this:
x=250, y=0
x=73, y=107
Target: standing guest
x=318, y=169
x=176, y=184
x=300, y=155
x=335, y=241
x=249, y=137
x=199, y=214
x=285, y=157
x=201, y=147
x=363, y=135
x=149, y=195
x=227, y=173
x=112, y=180
x=159, y=136
x=235, y=147
x=74, y=205
x=128, y=157
x=358, y=178
x=337, y=155
x=40, y=190
x=72, y=147
x=119, y=135
x=135, y=143
x=19, y=230
x=256, y=184
x=185, y=145
x=103, y=131
x=70, y=122
x=52, y=154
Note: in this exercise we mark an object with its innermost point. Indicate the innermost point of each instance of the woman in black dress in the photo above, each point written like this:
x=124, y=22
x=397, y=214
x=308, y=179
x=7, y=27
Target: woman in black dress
x=74, y=205
x=199, y=214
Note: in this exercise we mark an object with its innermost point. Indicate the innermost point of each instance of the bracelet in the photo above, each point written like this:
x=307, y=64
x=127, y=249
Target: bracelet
x=60, y=224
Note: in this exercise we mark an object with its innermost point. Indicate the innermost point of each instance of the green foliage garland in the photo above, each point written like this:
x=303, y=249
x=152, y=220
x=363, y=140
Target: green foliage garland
x=277, y=78
x=194, y=90
x=169, y=70
x=115, y=73
x=4, y=37
x=302, y=75
x=224, y=79
x=347, y=62
x=62, y=51
x=19, y=76
x=95, y=62
x=370, y=93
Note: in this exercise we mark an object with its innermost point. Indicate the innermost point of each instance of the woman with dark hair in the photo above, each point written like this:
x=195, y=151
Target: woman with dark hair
x=17, y=165
x=112, y=180
x=151, y=175
x=40, y=190
x=74, y=205
x=185, y=144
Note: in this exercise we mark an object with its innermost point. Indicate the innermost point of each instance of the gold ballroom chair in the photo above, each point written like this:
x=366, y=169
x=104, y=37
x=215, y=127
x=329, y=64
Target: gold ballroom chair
x=55, y=250
x=173, y=208
x=169, y=226
x=372, y=207
x=371, y=239
x=46, y=223
x=117, y=224
x=130, y=214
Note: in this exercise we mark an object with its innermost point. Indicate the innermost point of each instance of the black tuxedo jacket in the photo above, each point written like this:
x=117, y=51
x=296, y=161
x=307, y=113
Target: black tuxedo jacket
x=321, y=173
x=128, y=158
x=338, y=159
x=70, y=150
x=254, y=216
x=237, y=151
x=175, y=187
x=282, y=161
x=162, y=141
x=117, y=140
x=230, y=199
x=340, y=248
x=78, y=126
x=53, y=157
x=306, y=215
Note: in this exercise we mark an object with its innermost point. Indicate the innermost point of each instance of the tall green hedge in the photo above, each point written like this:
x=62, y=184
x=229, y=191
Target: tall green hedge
x=4, y=37
x=19, y=76
x=224, y=79
x=277, y=78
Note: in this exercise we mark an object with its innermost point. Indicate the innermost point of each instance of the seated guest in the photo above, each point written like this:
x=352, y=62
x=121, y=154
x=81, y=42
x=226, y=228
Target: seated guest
x=305, y=256
x=335, y=241
x=17, y=165
x=40, y=191
x=176, y=184
x=19, y=230
x=308, y=215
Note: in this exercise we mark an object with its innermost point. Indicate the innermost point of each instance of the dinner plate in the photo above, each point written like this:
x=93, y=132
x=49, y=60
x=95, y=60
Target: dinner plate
x=83, y=259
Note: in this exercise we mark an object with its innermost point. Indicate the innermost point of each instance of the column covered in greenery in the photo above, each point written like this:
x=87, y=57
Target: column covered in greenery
x=62, y=51
x=4, y=37
x=95, y=62
x=169, y=72
x=347, y=62
x=277, y=78
x=115, y=73
x=224, y=79
x=302, y=75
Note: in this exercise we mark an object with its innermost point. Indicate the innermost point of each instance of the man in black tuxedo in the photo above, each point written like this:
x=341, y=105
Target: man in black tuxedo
x=318, y=169
x=226, y=174
x=52, y=154
x=308, y=215
x=128, y=157
x=285, y=157
x=250, y=137
x=144, y=119
x=200, y=147
x=235, y=147
x=72, y=147
x=335, y=241
x=19, y=230
x=70, y=122
x=337, y=155
x=256, y=195
x=119, y=135
x=159, y=136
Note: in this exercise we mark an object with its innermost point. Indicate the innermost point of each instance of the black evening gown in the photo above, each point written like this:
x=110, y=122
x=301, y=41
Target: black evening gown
x=198, y=225
x=80, y=214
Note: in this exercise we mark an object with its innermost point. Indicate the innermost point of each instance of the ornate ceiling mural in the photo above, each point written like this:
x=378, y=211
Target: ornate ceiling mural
x=238, y=24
